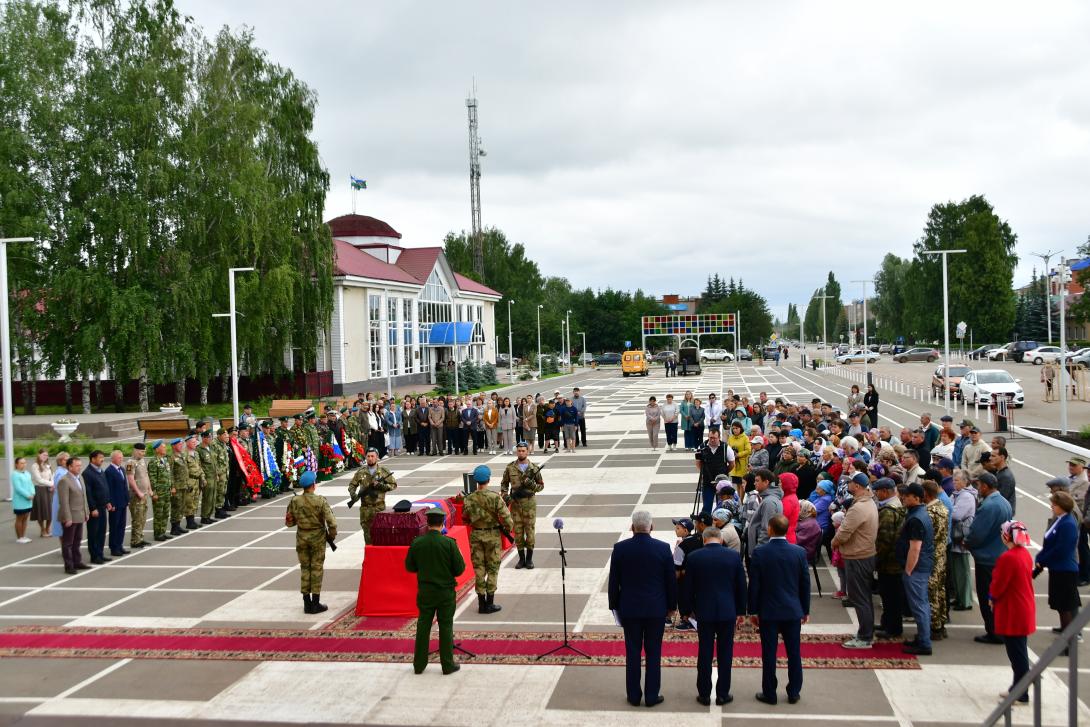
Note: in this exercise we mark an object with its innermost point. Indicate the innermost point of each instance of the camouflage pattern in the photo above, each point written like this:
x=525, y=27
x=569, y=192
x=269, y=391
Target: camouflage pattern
x=222, y=458
x=207, y=460
x=373, y=500
x=890, y=519
x=196, y=482
x=523, y=509
x=312, y=517
x=936, y=584
x=484, y=511
x=162, y=485
x=179, y=473
x=138, y=509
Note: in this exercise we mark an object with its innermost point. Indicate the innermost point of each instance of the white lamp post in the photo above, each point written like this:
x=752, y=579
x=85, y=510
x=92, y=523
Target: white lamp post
x=234, y=334
x=583, y=353
x=539, y=307
x=5, y=341
x=866, y=341
x=945, y=321
x=567, y=339
x=1063, y=348
x=510, y=346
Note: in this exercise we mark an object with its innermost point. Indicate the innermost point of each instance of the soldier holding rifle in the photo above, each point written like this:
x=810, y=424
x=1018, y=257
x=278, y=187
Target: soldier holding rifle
x=370, y=484
x=521, y=481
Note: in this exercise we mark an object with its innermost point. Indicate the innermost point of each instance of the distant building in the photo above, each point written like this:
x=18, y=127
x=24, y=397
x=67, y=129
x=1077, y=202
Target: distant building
x=398, y=310
x=680, y=305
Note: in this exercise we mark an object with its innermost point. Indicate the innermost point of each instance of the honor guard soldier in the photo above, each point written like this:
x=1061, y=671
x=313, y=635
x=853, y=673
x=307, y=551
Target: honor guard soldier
x=207, y=460
x=521, y=481
x=196, y=481
x=489, y=517
x=222, y=459
x=162, y=490
x=437, y=563
x=315, y=527
x=136, y=473
x=372, y=482
x=179, y=475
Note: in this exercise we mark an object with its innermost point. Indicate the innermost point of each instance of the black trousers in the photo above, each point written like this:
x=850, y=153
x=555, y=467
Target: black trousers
x=541, y=436
x=892, y=592
x=96, y=535
x=423, y=440
x=410, y=442
x=717, y=636
x=771, y=631
x=983, y=586
x=117, y=530
x=1084, y=553
x=643, y=634
x=582, y=438
x=1018, y=654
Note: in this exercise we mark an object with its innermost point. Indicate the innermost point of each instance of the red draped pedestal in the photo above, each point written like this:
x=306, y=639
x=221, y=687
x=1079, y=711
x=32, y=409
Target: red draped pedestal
x=387, y=589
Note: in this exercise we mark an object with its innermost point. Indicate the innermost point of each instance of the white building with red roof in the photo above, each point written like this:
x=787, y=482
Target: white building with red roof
x=398, y=311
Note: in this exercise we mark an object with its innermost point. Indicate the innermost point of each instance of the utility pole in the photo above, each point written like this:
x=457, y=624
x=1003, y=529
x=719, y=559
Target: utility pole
x=823, y=297
x=475, y=154
x=1046, y=256
x=231, y=272
x=510, y=345
x=1063, y=348
x=866, y=341
x=945, y=321
x=539, y=307
x=5, y=343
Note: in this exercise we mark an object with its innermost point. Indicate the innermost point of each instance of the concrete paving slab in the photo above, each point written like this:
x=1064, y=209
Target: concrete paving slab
x=34, y=677
x=173, y=679
x=163, y=604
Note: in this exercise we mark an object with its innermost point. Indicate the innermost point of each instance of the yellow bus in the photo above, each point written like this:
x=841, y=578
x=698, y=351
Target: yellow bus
x=633, y=362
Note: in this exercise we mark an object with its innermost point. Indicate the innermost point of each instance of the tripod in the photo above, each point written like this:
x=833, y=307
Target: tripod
x=697, y=497
x=564, y=600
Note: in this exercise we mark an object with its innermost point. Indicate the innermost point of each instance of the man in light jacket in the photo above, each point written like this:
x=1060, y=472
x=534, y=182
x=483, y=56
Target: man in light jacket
x=72, y=513
x=857, y=540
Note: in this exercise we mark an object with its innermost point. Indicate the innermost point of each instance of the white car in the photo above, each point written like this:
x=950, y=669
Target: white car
x=857, y=356
x=1043, y=354
x=983, y=386
x=715, y=354
x=1001, y=353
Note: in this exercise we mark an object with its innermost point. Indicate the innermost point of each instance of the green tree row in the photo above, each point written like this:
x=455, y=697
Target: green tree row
x=729, y=297
x=146, y=159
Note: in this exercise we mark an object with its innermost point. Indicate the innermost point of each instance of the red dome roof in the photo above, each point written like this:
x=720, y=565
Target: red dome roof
x=360, y=226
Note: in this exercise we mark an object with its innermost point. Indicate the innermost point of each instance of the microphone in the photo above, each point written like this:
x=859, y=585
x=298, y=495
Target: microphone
x=558, y=523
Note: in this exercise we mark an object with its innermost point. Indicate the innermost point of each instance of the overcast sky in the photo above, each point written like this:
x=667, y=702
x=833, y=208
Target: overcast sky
x=651, y=144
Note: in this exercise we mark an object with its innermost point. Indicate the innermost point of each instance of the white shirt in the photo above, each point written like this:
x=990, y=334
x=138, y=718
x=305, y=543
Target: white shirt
x=712, y=410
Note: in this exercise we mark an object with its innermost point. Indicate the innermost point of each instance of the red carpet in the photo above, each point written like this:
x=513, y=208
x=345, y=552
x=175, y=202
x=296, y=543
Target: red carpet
x=818, y=651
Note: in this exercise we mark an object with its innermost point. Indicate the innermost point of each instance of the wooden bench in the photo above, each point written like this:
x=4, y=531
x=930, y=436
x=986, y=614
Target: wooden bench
x=163, y=428
x=288, y=407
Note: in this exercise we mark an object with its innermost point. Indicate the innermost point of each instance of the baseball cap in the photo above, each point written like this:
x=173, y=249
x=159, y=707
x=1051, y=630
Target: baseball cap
x=1080, y=461
x=988, y=479
x=1058, y=482
x=883, y=483
x=914, y=489
x=757, y=440
x=973, y=428
x=946, y=418
x=965, y=423
x=860, y=479
x=946, y=464
x=683, y=522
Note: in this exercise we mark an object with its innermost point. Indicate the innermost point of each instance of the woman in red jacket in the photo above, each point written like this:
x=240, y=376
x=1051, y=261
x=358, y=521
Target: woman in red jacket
x=1011, y=594
x=790, y=485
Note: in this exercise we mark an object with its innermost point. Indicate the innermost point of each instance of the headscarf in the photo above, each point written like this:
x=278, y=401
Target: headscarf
x=1016, y=532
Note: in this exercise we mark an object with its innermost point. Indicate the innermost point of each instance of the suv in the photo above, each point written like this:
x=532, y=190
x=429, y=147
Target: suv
x=715, y=354
x=1015, y=351
x=664, y=356
x=608, y=359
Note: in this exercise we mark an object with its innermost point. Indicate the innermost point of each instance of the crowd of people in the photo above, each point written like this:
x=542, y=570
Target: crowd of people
x=901, y=516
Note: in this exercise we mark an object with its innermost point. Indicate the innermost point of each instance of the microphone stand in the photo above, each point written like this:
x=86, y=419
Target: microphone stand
x=564, y=600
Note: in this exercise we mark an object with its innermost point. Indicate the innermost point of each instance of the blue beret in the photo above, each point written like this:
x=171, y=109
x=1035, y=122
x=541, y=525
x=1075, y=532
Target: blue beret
x=307, y=479
x=176, y=440
x=481, y=473
x=157, y=443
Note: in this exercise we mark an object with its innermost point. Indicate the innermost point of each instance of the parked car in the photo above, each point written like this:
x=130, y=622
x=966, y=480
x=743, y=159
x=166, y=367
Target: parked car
x=1014, y=351
x=503, y=360
x=983, y=386
x=608, y=359
x=586, y=358
x=885, y=348
x=917, y=354
x=744, y=354
x=981, y=352
x=1044, y=354
x=715, y=354
x=1001, y=353
x=857, y=356
x=842, y=349
x=664, y=356
x=956, y=374
x=1080, y=358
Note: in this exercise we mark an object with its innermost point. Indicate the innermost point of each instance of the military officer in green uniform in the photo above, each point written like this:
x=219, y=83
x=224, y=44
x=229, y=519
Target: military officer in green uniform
x=222, y=459
x=521, y=481
x=196, y=481
x=162, y=490
x=179, y=475
x=485, y=512
x=208, y=468
x=373, y=481
x=310, y=514
x=437, y=563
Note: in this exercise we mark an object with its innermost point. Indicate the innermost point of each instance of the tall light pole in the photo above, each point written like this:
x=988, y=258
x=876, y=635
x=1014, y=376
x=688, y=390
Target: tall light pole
x=510, y=347
x=567, y=339
x=234, y=334
x=5, y=371
x=539, y=307
x=1046, y=256
x=866, y=341
x=823, y=297
x=1063, y=348
x=945, y=321
x=582, y=355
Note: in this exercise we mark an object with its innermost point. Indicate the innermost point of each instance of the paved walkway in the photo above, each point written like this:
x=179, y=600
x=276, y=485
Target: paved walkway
x=241, y=573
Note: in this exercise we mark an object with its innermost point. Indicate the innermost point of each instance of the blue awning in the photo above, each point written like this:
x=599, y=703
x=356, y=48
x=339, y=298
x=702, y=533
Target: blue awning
x=449, y=334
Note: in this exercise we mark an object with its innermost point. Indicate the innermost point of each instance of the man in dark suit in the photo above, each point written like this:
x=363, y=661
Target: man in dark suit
x=119, y=502
x=715, y=585
x=642, y=591
x=98, y=500
x=779, y=602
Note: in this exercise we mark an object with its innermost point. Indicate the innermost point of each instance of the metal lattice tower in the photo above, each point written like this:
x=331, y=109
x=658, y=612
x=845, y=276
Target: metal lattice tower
x=475, y=154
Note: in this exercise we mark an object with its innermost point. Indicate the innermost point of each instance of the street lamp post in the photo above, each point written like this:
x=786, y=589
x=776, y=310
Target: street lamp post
x=510, y=346
x=234, y=334
x=866, y=341
x=824, y=344
x=1063, y=348
x=5, y=370
x=567, y=339
x=583, y=353
x=945, y=321
x=539, y=307
x=1045, y=257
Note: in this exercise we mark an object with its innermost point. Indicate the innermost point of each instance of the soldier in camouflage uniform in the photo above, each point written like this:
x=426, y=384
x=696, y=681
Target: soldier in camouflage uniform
x=136, y=474
x=311, y=515
x=179, y=475
x=521, y=481
x=208, y=469
x=196, y=482
x=222, y=460
x=162, y=490
x=891, y=517
x=936, y=583
x=485, y=512
x=374, y=481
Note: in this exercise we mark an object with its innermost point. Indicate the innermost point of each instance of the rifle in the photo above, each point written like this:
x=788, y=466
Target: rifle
x=362, y=491
x=521, y=493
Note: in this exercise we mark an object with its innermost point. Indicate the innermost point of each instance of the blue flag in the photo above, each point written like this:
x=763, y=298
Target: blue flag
x=358, y=183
